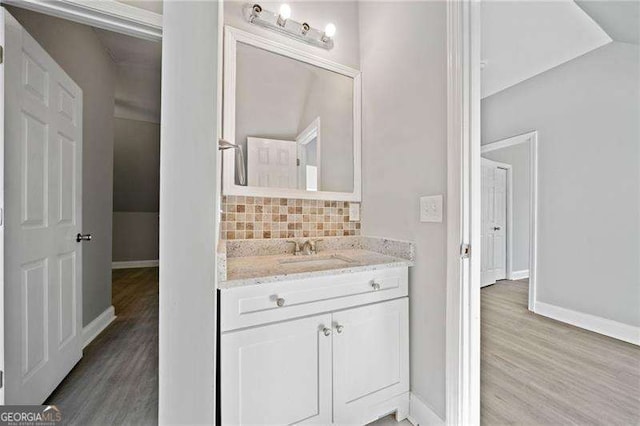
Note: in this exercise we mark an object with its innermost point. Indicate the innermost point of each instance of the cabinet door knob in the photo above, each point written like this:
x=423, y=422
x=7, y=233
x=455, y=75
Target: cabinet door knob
x=280, y=301
x=375, y=285
x=339, y=328
x=326, y=331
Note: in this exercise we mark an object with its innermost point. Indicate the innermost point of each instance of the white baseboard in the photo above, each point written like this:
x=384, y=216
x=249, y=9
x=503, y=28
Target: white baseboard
x=608, y=327
x=135, y=264
x=518, y=275
x=95, y=327
x=420, y=414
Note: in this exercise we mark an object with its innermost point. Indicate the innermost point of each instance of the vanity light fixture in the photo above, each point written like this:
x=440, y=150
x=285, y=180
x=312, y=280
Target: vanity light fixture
x=285, y=13
x=281, y=22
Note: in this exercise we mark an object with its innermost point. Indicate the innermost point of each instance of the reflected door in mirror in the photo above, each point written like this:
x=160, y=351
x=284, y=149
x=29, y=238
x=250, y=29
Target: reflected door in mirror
x=272, y=163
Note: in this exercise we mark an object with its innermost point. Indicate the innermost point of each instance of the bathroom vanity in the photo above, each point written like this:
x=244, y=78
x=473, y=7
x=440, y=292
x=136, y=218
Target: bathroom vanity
x=318, y=338
x=321, y=339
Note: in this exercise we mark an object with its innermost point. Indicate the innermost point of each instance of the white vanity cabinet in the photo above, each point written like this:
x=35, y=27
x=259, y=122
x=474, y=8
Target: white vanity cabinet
x=277, y=374
x=348, y=364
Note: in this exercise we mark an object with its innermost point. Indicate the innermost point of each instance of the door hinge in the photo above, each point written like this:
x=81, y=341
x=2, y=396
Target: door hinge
x=297, y=162
x=1, y=379
x=465, y=251
x=1, y=54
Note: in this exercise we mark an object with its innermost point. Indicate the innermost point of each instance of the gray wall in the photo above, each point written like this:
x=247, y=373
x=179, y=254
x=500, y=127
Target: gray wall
x=136, y=189
x=518, y=157
x=404, y=157
x=78, y=51
x=586, y=112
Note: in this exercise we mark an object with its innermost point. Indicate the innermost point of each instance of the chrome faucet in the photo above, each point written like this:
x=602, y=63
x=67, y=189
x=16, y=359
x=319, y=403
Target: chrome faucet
x=307, y=248
x=310, y=247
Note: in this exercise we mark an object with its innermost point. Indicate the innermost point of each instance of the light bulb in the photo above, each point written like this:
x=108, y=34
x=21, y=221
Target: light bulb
x=330, y=30
x=285, y=11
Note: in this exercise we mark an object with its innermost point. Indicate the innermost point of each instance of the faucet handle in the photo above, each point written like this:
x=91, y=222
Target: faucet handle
x=296, y=246
x=314, y=244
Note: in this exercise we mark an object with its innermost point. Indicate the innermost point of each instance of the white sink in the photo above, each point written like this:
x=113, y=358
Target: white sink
x=319, y=260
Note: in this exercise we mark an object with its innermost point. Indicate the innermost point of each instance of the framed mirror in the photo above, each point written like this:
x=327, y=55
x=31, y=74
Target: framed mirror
x=296, y=121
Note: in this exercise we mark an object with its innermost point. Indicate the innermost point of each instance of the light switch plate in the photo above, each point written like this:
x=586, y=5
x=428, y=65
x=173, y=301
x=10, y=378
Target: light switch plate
x=354, y=212
x=431, y=208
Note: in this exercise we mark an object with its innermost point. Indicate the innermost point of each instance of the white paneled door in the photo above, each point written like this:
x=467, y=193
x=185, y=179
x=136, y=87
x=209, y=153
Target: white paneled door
x=494, y=223
x=272, y=163
x=43, y=200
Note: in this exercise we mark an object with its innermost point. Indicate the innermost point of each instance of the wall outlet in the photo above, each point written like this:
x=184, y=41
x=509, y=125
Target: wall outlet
x=431, y=208
x=354, y=212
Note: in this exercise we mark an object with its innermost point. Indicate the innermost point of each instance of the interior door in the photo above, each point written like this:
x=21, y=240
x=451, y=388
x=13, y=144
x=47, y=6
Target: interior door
x=272, y=163
x=370, y=358
x=277, y=374
x=43, y=200
x=494, y=223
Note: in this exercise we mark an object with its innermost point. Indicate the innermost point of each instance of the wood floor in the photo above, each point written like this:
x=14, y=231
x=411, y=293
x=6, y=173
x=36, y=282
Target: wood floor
x=116, y=382
x=539, y=371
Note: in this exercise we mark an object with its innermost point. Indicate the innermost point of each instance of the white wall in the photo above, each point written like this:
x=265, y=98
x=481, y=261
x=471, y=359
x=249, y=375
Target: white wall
x=77, y=49
x=188, y=207
x=404, y=157
x=586, y=114
x=518, y=157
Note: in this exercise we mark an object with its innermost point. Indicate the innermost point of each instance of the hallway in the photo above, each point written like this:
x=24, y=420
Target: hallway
x=536, y=370
x=116, y=382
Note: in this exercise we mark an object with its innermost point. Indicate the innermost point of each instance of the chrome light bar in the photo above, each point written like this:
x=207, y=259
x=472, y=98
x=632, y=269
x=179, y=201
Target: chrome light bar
x=282, y=24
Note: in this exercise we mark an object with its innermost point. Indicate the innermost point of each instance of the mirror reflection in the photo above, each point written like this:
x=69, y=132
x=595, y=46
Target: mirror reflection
x=294, y=122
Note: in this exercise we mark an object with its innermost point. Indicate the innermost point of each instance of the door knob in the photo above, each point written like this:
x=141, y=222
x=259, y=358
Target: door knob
x=83, y=237
x=339, y=328
x=280, y=301
x=496, y=228
x=326, y=331
x=375, y=286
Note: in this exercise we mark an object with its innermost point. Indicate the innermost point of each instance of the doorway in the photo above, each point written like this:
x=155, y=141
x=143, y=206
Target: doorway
x=62, y=107
x=509, y=211
x=496, y=194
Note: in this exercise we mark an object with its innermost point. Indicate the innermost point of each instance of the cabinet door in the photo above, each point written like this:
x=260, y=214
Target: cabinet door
x=277, y=374
x=370, y=358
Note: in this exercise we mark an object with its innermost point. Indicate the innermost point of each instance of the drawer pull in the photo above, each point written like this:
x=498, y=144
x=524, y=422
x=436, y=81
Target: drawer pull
x=326, y=331
x=339, y=328
x=375, y=286
x=280, y=301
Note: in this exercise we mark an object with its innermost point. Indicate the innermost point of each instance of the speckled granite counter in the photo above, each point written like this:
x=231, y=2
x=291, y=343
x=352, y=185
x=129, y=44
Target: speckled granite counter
x=251, y=262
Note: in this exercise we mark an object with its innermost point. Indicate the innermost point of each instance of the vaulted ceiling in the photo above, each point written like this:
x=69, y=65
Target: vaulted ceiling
x=620, y=19
x=521, y=39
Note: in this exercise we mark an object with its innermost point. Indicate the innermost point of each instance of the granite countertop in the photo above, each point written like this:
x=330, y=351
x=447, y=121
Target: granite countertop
x=248, y=262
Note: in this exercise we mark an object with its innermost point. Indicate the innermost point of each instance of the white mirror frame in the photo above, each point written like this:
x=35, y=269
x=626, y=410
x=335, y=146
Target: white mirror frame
x=232, y=36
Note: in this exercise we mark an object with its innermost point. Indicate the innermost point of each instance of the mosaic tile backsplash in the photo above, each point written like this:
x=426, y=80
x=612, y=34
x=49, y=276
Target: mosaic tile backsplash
x=262, y=218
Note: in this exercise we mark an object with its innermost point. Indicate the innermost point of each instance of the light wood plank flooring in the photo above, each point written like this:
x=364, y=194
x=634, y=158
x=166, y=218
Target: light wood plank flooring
x=116, y=382
x=539, y=371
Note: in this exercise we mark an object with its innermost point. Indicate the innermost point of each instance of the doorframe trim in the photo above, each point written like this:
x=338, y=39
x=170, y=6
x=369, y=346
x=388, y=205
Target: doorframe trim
x=107, y=14
x=462, y=378
x=509, y=213
x=532, y=139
